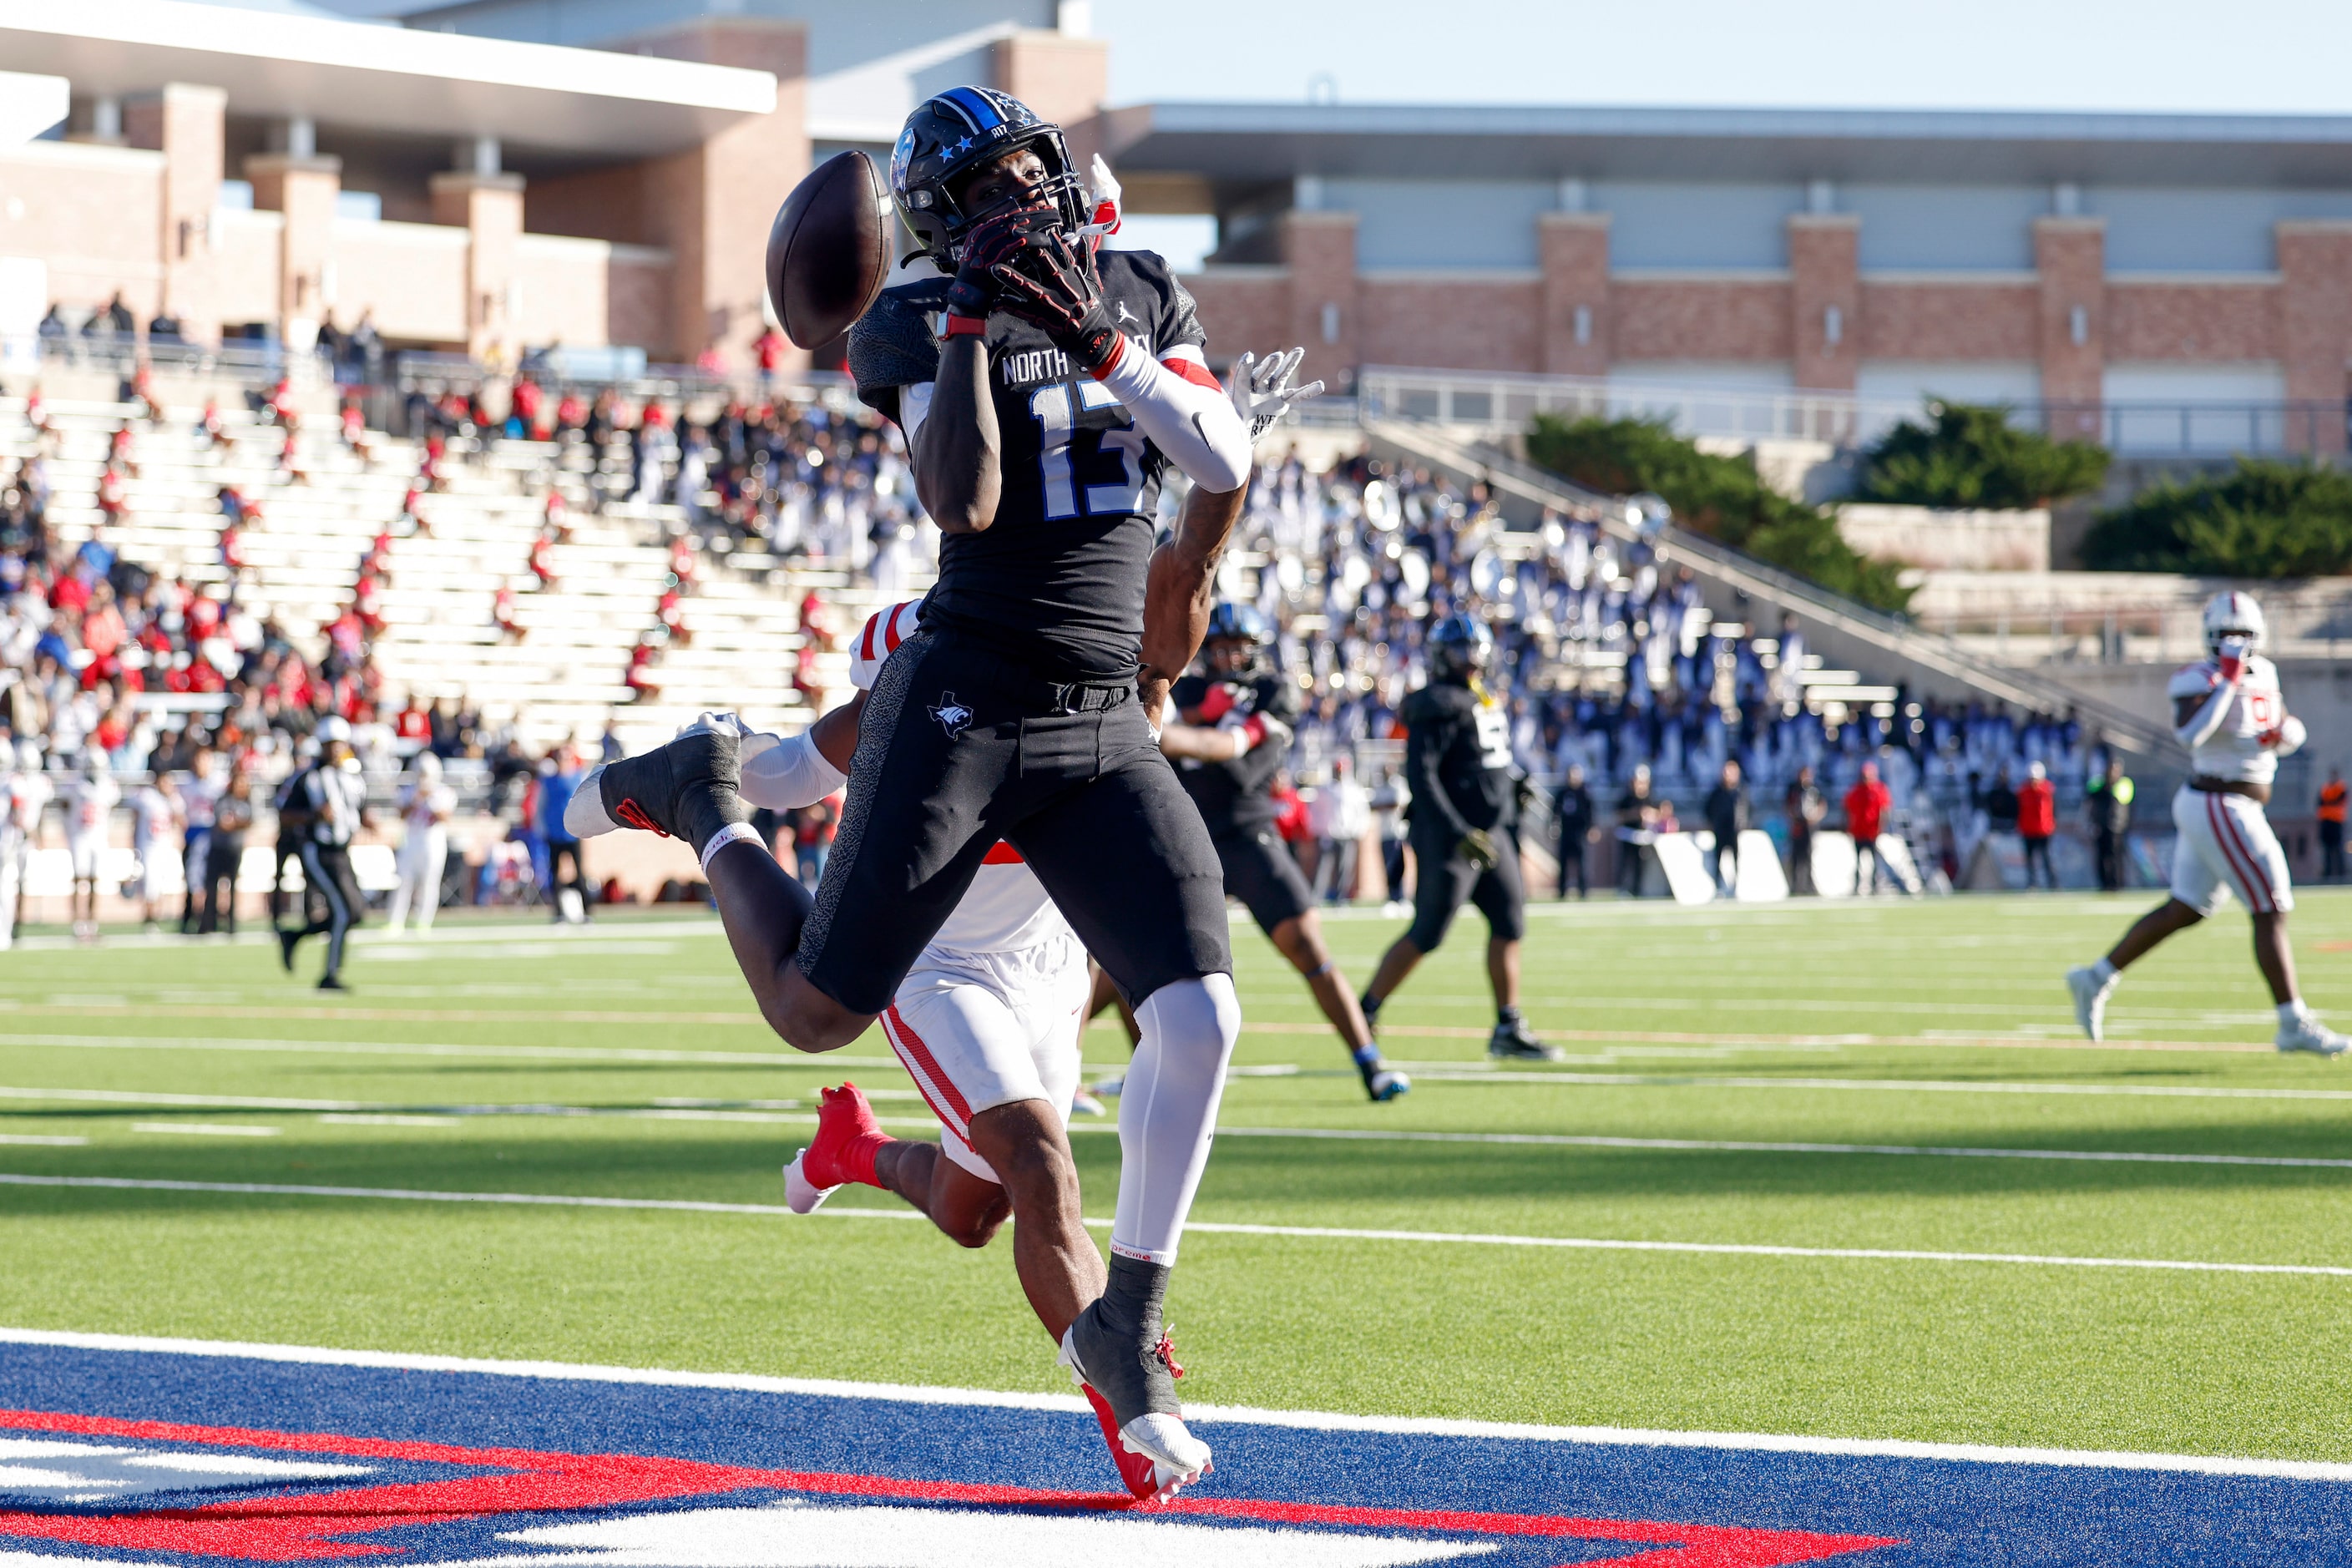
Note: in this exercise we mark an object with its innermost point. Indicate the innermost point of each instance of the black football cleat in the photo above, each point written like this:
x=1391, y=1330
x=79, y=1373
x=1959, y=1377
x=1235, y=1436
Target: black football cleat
x=1510, y=1042
x=684, y=789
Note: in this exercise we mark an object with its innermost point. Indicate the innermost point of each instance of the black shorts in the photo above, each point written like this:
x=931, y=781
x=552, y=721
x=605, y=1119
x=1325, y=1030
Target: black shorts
x=1446, y=881
x=1261, y=871
x=959, y=748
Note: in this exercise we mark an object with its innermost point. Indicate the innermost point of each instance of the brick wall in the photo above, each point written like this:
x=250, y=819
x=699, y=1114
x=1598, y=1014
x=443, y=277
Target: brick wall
x=94, y=214
x=1468, y=320
x=1698, y=317
x=1242, y=307
x=2172, y=320
x=1950, y=319
x=2316, y=315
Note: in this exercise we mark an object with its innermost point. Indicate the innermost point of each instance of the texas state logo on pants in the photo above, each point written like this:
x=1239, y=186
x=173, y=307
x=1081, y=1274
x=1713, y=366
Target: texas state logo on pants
x=188, y=1454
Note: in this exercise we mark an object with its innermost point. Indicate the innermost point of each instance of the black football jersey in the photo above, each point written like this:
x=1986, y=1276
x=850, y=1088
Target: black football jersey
x=1056, y=581
x=1457, y=760
x=1237, y=793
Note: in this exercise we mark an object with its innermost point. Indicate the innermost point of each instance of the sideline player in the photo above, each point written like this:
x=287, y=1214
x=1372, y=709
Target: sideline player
x=1464, y=821
x=2228, y=710
x=1039, y=412
x=333, y=798
x=426, y=806
x=1236, y=716
x=88, y=799
x=29, y=795
x=986, y=1024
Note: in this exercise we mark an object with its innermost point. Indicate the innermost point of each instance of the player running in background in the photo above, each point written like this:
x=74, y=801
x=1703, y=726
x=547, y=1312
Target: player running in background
x=155, y=819
x=1465, y=820
x=1235, y=719
x=89, y=798
x=1043, y=390
x=2228, y=710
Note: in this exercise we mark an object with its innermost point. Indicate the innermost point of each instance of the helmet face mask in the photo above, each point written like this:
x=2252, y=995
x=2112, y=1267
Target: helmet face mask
x=956, y=133
x=2234, y=614
x=1460, y=649
x=1237, y=639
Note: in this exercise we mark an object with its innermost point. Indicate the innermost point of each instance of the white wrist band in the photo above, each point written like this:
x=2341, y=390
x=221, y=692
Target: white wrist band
x=731, y=833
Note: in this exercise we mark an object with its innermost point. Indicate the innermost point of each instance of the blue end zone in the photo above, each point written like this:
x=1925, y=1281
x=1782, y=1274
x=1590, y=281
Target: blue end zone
x=1337, y=1496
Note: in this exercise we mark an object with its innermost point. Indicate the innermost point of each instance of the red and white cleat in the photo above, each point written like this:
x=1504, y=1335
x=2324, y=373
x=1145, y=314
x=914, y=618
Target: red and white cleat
x=1149, y=1479
x=847, y=1138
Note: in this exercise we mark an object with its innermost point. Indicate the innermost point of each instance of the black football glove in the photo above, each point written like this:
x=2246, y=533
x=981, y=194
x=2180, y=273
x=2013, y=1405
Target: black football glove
x=1053, y=286
x=992, y=241
x=1478, y=848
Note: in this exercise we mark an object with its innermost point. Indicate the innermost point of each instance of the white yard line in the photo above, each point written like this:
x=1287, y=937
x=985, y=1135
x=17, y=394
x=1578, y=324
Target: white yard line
x=1747, y=1146
x=41, y=1139
x=1303, y=1420
x=1914, y=1085
x=181, y=1043
x=1297, y=1232
x=204, y=1129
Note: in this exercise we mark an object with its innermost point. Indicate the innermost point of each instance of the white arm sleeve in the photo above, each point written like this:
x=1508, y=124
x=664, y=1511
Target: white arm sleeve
x=788, y=776
x=1194, y=424
x=2208, y=718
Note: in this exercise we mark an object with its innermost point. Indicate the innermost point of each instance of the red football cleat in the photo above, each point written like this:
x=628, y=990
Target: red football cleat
x=1148, y=1480
x=847, y=1139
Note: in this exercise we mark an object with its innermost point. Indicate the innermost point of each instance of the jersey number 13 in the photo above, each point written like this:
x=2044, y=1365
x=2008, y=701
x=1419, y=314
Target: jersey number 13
x=1085, y=472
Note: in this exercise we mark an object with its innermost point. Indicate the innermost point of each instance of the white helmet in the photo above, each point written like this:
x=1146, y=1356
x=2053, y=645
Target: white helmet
x=429, y=767
x=2233, y=614
x=333, y=728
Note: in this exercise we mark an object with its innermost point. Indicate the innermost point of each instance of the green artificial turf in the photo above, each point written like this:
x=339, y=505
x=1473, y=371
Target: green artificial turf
x=626, y=1062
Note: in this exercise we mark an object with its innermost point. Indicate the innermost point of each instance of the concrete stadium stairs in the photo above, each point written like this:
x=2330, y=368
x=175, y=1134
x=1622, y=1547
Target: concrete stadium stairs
x=564, y=678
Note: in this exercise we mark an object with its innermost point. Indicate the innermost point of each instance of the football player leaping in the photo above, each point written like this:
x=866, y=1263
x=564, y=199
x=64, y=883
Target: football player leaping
x=1043, y=389
x=2229, y=714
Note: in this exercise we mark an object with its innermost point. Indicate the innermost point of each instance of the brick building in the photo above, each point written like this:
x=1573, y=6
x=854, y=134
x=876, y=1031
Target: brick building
x=476, y=177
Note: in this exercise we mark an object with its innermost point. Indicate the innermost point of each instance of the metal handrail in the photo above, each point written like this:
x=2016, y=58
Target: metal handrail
x=1746, y=574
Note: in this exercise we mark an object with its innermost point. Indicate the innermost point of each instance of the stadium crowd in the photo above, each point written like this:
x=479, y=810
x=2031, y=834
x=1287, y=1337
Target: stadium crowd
x=1613, y=667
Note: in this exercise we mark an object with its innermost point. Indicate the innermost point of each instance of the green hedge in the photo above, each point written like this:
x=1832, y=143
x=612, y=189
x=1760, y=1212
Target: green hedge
x=1974, y=457
x=2264, y=518
x=1719, y=496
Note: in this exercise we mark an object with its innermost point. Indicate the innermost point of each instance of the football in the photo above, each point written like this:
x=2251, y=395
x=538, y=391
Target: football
x=830, y=249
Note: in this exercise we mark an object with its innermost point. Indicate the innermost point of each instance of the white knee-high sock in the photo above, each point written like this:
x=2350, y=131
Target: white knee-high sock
x=1169, y=1108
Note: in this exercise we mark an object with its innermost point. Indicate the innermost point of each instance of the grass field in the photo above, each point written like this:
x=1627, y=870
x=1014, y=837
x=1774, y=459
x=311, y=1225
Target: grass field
x=625, y=1063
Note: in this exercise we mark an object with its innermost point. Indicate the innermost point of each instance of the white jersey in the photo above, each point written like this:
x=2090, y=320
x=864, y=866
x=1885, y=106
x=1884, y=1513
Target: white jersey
x=29, y=795
x=87, y=801
x=2237, y=750
x=1006, y=908
x=152, y=815
x=427, y=807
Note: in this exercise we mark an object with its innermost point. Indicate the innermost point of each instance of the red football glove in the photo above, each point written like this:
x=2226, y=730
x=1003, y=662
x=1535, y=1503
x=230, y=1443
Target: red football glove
x=1215, y=705
x=2231, y=658
x=1053, y=287
x=990, y=243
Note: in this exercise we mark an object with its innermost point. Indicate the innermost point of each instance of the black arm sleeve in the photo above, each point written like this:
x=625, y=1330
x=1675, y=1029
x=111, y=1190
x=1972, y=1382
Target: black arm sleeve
x=1424, y=751
x=891, y=346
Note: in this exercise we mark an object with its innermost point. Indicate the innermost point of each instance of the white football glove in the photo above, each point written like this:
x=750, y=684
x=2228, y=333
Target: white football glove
x=1262, y=390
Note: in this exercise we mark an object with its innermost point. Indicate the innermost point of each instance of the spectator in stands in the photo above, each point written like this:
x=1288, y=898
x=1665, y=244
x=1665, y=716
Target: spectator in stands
x=2331, y=826
x=1572, y=816
x=1866, y=805
x=1637, y=829
x=813, y=831
x=1726, y=818
x=2037, y=822
x=2108, y=804
x=2000, y=804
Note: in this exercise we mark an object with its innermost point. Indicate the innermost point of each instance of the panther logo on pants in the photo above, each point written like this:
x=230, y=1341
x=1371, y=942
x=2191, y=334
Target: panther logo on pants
x=953, y=716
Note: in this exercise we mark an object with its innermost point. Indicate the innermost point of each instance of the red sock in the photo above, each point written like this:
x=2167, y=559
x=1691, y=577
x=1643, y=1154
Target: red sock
x=855, y=1160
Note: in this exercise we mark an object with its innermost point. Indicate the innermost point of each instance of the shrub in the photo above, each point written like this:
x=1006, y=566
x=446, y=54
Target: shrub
x=2264, y=518
x=1719, y=496
x=1973, y=457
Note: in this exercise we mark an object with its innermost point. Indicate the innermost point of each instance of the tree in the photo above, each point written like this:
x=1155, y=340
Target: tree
x=2264, y=519
x=1722, y=498
x=1974, y=457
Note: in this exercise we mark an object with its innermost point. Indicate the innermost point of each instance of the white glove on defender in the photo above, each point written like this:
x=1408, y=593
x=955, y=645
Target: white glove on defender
x=1262, y=390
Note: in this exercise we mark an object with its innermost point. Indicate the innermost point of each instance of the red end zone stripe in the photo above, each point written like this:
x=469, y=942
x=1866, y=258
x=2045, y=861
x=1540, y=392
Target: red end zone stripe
x=286, y=1529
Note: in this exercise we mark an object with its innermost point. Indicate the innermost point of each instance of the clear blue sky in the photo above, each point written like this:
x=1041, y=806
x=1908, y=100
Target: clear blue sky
x=2273, y=55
